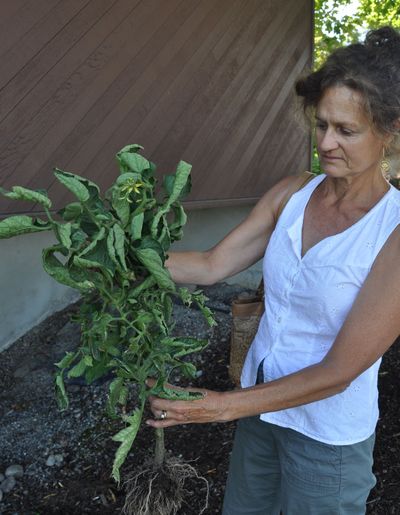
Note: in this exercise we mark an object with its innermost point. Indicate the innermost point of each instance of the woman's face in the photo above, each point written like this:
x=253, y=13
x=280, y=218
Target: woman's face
x=346, y=143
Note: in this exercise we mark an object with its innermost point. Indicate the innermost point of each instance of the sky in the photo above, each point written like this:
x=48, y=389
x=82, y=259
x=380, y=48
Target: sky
x=349, y=9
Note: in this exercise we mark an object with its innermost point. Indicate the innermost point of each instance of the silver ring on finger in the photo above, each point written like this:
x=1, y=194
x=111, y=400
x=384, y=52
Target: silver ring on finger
x=163, y=415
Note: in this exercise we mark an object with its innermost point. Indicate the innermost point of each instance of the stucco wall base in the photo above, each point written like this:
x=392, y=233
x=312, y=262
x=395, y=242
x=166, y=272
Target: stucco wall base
x=29, y=295
x=206, y=227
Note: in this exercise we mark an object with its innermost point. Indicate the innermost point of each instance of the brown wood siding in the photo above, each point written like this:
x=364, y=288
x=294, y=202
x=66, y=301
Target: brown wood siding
x=209, y=82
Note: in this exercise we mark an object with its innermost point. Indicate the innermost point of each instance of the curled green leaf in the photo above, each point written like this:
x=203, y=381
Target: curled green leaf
x=119, y=244
x=63, y=232
x=71, y=211
x=21, y=224
x=73, y=184
x=132, y=161
x=114, y=394
x=126, y=436
x=60, y=272
x=152, y=261
x=78, y=370
x=61, y=394
x=137, y=226
x=175, y=394
x=21, y=193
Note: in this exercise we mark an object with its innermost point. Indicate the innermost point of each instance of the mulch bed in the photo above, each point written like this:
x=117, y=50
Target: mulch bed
x=32, y=428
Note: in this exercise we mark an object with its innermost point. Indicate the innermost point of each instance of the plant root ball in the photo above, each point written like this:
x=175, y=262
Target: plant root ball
x=160, y=490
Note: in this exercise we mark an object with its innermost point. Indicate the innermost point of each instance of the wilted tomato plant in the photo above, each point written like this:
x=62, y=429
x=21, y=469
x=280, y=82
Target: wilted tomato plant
x=112, y=249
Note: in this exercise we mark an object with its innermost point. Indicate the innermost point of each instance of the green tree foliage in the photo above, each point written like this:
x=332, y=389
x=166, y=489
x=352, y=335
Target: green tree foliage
x=376, y=13
x=333, y=30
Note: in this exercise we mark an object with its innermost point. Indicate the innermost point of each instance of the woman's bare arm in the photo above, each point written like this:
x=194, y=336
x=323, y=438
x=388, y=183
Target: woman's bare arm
x=369, y=330
x=241, y=248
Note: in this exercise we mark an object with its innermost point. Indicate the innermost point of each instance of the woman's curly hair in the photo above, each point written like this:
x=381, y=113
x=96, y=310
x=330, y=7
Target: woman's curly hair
x=373, y=69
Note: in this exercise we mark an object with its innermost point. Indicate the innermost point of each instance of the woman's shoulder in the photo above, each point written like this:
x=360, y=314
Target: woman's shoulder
x=290, y=184
x=280, y=193
x=294, y=183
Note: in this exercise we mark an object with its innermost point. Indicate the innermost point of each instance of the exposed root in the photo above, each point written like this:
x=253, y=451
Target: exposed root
x=160, y=491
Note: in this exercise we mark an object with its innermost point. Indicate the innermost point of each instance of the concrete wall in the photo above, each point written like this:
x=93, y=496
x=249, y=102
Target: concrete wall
x=206, y=227
x=28, y=295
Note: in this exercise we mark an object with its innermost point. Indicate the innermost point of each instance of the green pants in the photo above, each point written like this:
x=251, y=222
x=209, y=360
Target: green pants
x=276, y=469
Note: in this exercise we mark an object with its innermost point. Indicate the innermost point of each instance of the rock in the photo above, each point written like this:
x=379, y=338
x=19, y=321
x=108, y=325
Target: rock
x=2, y=477
x=14, y=470
x=22, y=371
x=73, y=388
x=8, y=484
x=1, y=495
x=54, y=459
x=51, y=461
x=59, y=458
x=67, y=340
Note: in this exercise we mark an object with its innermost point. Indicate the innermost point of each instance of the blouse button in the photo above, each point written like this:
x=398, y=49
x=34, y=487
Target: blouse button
x=279, y=320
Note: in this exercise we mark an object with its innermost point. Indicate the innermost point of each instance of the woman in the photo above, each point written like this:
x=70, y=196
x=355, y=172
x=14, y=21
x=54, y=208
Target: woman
x=308, y=406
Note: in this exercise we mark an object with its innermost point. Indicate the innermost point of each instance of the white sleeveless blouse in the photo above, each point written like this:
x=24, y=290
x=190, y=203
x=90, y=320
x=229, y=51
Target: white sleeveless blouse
x=306, y=302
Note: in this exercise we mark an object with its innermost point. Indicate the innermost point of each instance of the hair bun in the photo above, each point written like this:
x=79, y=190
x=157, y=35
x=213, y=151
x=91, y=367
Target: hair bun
x=383, y=38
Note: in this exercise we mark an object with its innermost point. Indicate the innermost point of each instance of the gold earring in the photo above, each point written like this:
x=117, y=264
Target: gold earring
x=385, y=165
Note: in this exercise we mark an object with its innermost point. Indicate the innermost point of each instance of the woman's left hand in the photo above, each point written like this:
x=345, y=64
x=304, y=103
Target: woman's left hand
x=211, y=408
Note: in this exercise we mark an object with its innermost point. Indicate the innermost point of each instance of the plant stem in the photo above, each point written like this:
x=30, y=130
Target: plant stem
x=159, y=453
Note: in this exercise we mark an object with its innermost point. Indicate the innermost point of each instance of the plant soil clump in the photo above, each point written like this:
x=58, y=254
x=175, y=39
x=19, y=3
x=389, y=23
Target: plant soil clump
x=160, y=490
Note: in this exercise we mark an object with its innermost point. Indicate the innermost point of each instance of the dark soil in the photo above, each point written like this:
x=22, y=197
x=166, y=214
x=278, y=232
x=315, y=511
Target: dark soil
x=32, y=428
